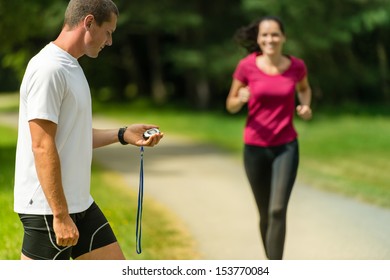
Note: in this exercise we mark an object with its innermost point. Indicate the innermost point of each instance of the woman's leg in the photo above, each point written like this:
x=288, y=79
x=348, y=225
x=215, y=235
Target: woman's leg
x=284, y=171
x=258, y=167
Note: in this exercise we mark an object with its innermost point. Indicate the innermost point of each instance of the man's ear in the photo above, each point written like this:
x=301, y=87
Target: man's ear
x=88, y=21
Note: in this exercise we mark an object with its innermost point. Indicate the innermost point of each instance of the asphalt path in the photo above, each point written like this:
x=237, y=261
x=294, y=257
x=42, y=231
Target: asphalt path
x=207, y=189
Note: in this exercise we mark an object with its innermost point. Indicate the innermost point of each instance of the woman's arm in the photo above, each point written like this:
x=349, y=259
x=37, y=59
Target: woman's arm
x=238, y=96
x=304, y=97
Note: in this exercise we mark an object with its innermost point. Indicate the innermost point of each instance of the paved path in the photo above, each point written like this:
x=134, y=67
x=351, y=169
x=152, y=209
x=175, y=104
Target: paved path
x=208, y=190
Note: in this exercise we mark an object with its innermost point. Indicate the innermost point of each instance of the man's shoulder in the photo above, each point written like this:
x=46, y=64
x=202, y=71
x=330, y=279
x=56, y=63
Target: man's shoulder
x=46, y=61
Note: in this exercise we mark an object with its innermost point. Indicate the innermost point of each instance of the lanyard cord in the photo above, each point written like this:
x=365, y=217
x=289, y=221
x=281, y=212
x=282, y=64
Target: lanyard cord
x=140, y=202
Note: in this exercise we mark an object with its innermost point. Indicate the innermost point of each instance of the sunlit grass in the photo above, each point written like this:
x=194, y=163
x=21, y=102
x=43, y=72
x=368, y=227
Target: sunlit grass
x=345, y=153
x=348, y=154
x=164, y=236
x=9, y=102
x=11, y=229
x=219, y=128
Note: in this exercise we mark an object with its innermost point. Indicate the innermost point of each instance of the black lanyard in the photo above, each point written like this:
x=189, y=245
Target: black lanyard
x=138, y=229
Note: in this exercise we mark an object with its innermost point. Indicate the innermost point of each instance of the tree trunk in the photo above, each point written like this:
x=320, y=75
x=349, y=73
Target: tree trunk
x=202, y=94
x=159, y=91
x=383, y=70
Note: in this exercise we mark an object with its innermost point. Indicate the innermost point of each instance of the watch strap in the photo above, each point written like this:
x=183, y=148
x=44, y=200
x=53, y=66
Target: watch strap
x=121, y=133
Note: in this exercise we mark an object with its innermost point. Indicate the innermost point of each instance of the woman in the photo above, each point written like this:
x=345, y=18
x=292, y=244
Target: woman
x=267, y=80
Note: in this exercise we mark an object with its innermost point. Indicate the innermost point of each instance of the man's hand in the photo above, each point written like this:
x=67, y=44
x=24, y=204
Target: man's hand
x=134, y=135
x=66, y=231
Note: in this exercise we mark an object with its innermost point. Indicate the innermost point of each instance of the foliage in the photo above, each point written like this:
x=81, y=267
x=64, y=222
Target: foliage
x=342, y=43
x=183, y=51
x=23, y=32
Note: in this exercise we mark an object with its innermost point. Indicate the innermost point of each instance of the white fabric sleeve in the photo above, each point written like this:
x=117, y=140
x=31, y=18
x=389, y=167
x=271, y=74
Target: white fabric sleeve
x=45, y=91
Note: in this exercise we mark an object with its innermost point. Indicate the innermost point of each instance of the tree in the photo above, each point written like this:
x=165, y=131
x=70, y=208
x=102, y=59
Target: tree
x=182, y=51
x=22, y=29
x=341, y=41
x=178, y=40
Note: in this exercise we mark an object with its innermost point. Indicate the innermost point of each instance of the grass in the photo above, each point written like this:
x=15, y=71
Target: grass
x=348, y=154
x=9, y=102
x=164, y=236
x=343, y=152
x=11, y=229
x=217, y=128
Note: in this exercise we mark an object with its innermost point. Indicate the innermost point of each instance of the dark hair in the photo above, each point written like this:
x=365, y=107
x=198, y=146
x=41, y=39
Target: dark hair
x=100, y=9
x=246, y=36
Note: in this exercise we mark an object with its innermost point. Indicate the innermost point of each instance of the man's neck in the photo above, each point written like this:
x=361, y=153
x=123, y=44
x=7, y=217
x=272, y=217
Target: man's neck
x=71, y=41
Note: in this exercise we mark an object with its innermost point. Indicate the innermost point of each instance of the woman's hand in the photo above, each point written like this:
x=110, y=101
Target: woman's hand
x=239, y=95
x=244, y=94
x=304, y=111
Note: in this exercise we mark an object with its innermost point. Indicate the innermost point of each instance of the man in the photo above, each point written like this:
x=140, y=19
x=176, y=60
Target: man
x=55, y=142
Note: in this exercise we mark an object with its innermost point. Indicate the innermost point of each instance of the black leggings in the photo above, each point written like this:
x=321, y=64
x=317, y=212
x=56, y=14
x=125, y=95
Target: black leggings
x=271, y=173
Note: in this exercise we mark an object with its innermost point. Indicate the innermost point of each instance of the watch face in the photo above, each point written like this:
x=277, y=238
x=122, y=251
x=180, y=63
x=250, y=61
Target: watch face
x=150, y=132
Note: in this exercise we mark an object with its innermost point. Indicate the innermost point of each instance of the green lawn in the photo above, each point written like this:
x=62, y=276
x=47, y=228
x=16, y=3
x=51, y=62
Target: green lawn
x=11, y=229
x=348, y=154
x=164, y=236
x=343, y=152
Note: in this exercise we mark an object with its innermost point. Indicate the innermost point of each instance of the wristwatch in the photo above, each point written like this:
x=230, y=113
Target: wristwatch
x=121, y=133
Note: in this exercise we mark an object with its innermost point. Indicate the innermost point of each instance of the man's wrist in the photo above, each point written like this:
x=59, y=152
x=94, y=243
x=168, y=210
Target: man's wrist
x=121, y=134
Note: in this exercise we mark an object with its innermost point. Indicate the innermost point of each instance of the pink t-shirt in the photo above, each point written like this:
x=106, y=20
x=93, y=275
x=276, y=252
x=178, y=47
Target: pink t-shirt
x=271, y=106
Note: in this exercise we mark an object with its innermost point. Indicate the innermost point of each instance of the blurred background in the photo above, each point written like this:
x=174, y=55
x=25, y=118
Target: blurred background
x=182, y=52
x=171, y=64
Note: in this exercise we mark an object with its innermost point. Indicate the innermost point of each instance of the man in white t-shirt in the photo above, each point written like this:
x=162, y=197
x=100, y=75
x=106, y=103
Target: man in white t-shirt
x=55, y=142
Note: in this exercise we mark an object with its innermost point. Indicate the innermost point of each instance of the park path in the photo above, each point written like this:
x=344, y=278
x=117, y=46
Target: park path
x=207, y=189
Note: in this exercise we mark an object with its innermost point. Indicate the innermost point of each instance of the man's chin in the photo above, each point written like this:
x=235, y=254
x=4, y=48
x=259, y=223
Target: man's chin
x=93, y=55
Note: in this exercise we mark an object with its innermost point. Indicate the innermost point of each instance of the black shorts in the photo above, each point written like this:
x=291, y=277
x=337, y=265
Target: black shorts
x=39, y=241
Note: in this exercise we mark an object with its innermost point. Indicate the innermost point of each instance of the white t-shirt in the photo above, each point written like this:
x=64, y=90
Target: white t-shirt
x=54, y=88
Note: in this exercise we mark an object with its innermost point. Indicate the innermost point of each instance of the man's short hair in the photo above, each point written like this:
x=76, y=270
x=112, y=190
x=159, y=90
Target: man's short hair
x=77, y=10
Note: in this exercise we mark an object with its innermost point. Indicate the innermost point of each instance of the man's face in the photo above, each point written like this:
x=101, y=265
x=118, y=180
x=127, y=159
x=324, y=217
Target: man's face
x=97, y=37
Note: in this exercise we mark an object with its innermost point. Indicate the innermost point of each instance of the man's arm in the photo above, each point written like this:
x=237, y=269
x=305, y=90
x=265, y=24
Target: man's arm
x=48, y=167
x=132, y=135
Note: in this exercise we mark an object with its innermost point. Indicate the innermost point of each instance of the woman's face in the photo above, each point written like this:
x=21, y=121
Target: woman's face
x=270, y=38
